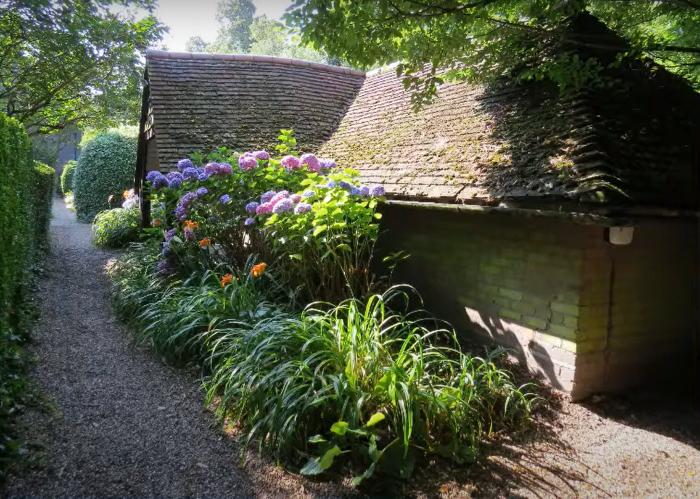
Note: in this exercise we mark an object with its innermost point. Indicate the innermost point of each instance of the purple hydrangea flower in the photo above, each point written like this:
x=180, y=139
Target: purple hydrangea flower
x=252, y=207
x=376, y=190
x=327, y=163
x=173, y=175
x=247, y=162
x=290, y=162
x=203, y=176
x=302, y=208
x=225, y=169
x=249, y=221
x=331, y=184
x=282, y=206
x=264, y=209
x=211, y=168
x=267, y=196
x=188, y=233
x=184, y=163
x=183, y=204
x=169, y=234
x=262, y=155
x=202, y=191
x=190, y=173
x=346, y=185
x=308, y=194
x=157, y=179
x=151, y=176
x=175, y=183
x=163, y=267
x=311, y=161
x=364, y=191
x=225, y=199
x=295, y=198
x=355, y=191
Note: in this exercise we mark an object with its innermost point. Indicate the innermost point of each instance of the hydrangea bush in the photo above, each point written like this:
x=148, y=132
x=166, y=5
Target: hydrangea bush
x=309, y=217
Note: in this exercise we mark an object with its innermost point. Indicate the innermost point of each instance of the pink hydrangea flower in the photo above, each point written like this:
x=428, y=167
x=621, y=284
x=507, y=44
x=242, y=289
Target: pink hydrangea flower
x=262, y=155
x=295, y=198
x=247, y=162
x=311, y=161
x=290, y=162
x=264, y=209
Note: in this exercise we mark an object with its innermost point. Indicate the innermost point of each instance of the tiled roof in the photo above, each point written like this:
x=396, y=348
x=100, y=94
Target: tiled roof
x=477, y=144
x=202, y=101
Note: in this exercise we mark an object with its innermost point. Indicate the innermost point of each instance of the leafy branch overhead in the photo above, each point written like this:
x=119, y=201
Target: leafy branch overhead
x=481, y=40
x=72, y=61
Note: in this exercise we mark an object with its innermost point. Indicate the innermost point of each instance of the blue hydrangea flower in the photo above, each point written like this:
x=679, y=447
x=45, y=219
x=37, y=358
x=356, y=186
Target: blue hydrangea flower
x=364, y=191
x=308, y=194
x=169, y=234
x=331, y=184
x=203, y=176
x=327, y=163
x=249, y=221
x=184, y=163
x=225, y=199
x=376, y=190
x=267, y=196
x=252, y=207
x=302, y=208
x=151, y=176
x=283, y=205
x=190, y=173
x=175, y=183
x=202, y=191
x=346, y=185
x=355, y=191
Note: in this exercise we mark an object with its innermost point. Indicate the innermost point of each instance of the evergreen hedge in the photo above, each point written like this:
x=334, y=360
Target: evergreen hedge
x=25, y=196
x=105, y=168
x=67, y=176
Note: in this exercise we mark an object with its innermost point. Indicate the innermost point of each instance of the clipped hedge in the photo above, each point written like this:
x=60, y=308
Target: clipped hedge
x=116, y=228
x=67, y=176
x=25, y=196
x=42, y=191
x=105, y=168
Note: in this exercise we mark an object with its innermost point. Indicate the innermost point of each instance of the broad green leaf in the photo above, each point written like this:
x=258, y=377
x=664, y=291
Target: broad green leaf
x=340, y=427
x=377, y=417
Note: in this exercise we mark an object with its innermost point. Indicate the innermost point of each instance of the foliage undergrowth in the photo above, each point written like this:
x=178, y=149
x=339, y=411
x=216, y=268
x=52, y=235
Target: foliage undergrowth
x=263, y=280
x=116, y=228
x=26, y=189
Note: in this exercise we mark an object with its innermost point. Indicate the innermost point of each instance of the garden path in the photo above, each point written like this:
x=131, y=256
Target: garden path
x=123, y=423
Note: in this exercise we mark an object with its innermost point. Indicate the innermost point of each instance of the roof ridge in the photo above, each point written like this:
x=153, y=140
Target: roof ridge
x=164, y=54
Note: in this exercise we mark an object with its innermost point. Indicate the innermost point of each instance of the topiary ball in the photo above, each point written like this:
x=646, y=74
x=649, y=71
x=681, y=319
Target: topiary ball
x=67, y=176
x=105, y=168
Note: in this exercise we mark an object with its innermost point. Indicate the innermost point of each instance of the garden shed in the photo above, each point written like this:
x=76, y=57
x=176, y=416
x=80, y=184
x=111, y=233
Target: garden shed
x=563, y=226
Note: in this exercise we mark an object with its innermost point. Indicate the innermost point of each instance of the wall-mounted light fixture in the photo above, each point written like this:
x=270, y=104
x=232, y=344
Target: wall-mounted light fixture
x=619, y=235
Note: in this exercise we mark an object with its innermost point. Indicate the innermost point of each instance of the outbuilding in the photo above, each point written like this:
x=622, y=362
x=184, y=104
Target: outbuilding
x=563, y=226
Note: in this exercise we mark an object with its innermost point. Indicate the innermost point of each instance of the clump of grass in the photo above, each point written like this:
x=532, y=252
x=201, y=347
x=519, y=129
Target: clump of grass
x=287, y=379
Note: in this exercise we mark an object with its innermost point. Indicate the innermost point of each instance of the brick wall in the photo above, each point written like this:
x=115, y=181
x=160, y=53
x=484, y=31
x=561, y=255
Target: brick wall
x=542, y=287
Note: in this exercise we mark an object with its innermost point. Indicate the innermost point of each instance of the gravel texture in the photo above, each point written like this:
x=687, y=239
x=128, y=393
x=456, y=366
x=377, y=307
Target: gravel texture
x=125, y=424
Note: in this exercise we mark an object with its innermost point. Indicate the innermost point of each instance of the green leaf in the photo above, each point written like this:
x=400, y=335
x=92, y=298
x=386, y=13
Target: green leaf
x=317, y=439
x=318, y=465
x=340, y=427
x=319, y=230
x=356, y=481
x=377, y=417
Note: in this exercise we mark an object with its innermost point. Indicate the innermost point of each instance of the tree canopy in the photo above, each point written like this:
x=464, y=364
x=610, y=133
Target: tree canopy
x=72, y=62
x=485, y=39
x=242, y=32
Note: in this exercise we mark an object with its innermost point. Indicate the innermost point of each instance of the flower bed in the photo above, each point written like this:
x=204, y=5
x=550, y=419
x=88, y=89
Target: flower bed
x=262, y=276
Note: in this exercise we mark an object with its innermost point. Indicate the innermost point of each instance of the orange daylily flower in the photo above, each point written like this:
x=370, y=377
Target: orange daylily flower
x=258, y=269
x=203, y=243
x=226, y=279
x=189, y=224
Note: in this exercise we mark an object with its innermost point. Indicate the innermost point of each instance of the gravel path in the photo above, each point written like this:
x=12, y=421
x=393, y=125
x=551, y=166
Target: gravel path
x=125, y=424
